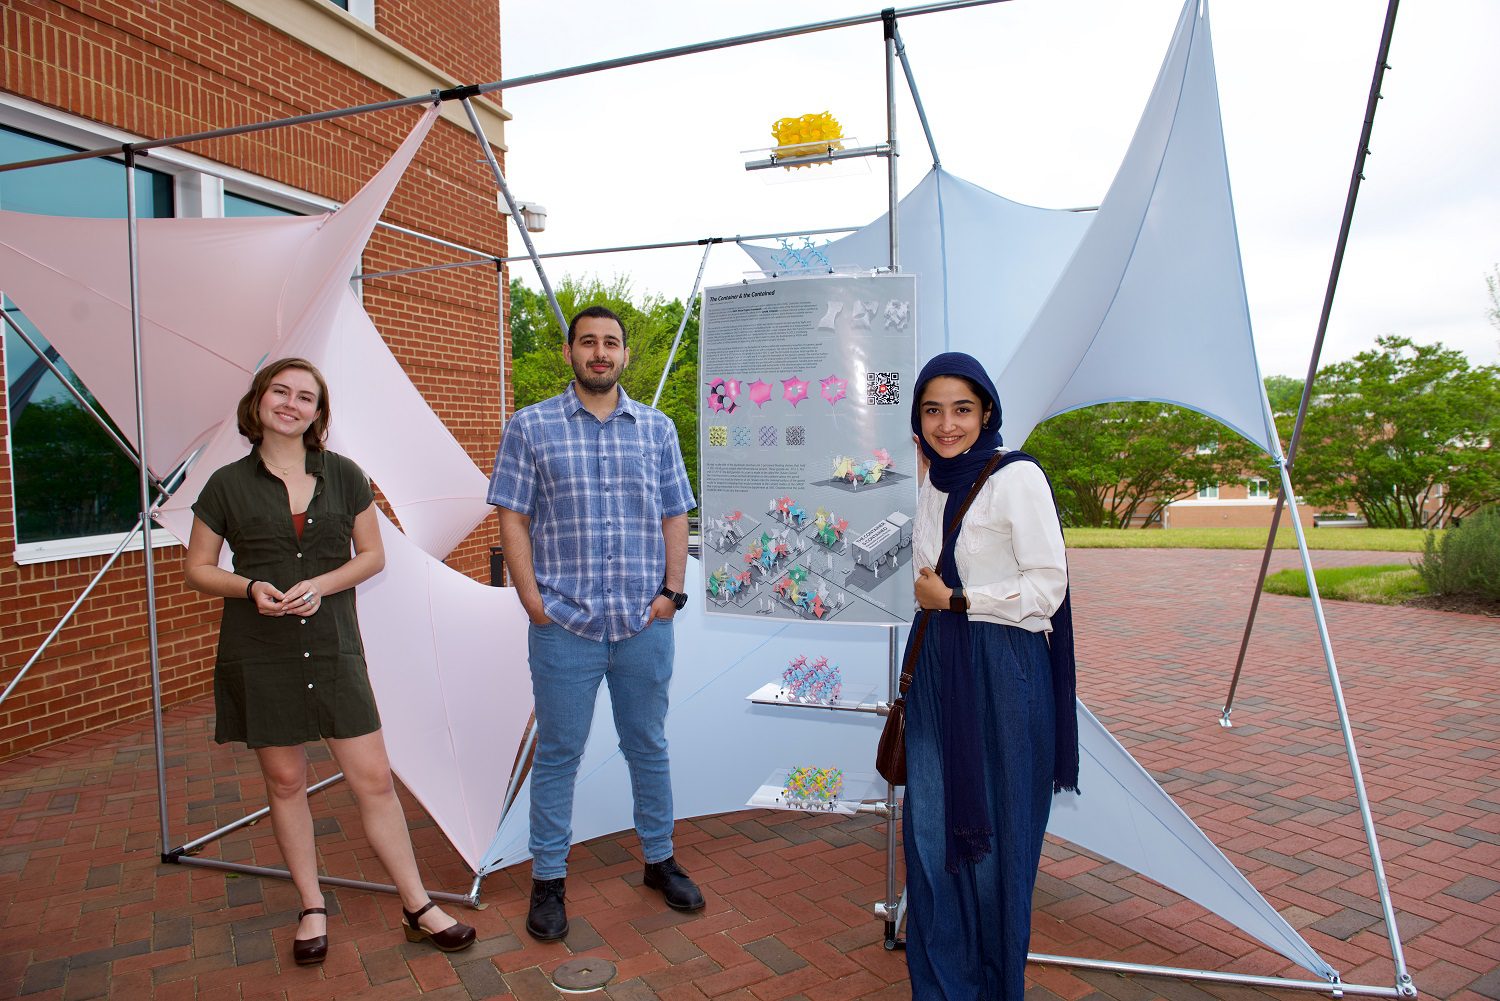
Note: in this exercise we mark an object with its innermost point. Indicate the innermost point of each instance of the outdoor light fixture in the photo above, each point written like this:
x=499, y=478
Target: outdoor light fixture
x=533, y=216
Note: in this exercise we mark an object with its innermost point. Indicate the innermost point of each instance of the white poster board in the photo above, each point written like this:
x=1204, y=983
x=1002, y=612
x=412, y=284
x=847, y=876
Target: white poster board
x=807, y=468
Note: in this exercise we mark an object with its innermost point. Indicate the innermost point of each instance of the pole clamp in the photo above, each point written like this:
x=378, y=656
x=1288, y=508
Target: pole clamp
x=459, y=93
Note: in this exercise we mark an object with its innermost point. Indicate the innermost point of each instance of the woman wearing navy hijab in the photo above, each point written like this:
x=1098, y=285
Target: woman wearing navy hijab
x=991, y=730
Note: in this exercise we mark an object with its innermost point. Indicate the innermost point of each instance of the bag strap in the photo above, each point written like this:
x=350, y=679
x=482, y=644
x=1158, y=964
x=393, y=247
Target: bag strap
x=916, y=644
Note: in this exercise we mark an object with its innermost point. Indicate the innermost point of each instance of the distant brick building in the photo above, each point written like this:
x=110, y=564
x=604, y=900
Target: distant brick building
x=83, y=74
x=1245, y=503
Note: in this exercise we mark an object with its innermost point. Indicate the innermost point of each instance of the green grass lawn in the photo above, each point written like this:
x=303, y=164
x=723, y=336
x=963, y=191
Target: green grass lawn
x=1393, y=540
x=1389, y=584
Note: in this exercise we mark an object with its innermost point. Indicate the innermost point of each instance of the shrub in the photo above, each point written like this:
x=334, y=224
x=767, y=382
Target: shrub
x=1466, y=559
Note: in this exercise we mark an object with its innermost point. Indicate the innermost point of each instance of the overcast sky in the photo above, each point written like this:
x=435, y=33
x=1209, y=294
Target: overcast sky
x=1035, y=100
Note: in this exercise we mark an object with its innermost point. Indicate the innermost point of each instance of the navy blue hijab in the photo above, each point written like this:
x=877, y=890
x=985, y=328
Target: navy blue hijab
x=969, y=834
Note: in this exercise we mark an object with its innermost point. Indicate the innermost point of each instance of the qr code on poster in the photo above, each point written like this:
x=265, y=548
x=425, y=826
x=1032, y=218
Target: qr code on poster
x=882, y=389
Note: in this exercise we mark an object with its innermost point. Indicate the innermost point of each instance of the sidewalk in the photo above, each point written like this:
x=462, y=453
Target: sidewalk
x=87, y=910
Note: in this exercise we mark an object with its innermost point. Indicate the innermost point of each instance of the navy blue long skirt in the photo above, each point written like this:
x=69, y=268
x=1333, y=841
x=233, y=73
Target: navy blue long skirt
x=967, y=933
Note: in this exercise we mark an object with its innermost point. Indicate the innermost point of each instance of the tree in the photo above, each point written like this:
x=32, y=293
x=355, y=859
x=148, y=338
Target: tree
x=540, y=370
x=1116, y=463
x=70, y=479
x=1284, y=393
x=1406, y=432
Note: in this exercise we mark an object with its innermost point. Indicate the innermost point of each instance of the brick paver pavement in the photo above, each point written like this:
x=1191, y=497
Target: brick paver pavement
x=87, y=911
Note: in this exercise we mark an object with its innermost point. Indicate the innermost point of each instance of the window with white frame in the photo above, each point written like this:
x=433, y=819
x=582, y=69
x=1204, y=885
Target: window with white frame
x=362, y=9
x=68, y=478
x=1208, y=491
x=1259, y=489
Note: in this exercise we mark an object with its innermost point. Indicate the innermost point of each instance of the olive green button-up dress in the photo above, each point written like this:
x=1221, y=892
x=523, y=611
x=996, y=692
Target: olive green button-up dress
x=282, y=681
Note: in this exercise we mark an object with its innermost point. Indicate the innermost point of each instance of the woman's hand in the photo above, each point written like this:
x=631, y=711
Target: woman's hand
x=302, y=598
x=932, y=593
x=268, y=600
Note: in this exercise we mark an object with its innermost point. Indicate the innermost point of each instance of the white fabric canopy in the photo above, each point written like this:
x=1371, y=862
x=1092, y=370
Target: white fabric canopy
x=984, y=263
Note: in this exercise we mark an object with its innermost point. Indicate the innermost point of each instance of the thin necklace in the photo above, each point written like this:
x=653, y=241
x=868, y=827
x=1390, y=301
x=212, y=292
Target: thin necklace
x=285, y=470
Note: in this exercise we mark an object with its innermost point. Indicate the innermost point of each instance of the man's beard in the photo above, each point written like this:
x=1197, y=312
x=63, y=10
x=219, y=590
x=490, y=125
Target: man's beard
x=597, y=383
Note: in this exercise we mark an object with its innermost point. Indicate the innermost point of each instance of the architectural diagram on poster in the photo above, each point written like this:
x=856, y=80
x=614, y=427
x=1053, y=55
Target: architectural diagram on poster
x=807, y=470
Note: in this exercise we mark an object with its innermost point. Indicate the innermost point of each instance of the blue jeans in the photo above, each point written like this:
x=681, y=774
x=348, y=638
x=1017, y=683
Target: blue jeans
x=565, y=675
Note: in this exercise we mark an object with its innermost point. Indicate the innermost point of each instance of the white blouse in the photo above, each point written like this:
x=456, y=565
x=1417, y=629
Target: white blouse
x=1010, y=550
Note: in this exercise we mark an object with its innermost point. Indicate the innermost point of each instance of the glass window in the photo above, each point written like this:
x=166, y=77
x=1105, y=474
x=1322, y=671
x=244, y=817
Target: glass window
x=1209, y=492
x=1259, y=488
x=240, y=207
x=69, y=479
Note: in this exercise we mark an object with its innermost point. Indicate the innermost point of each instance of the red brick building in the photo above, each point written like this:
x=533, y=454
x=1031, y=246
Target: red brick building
x=82, y=74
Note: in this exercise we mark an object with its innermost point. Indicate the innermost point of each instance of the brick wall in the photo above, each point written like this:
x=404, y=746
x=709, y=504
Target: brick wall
x=171, y=67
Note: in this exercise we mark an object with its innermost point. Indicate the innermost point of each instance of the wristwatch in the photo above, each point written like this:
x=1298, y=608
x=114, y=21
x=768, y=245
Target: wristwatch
x=959, y=602
x=679, y=598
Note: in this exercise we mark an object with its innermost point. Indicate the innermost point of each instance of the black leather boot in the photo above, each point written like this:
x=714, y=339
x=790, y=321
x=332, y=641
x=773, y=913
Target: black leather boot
x=547, y=919
x=680, y=892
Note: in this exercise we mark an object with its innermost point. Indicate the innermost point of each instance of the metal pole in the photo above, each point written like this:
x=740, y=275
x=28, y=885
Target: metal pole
x=244, y=821
x=671, y=245
x=891, y=909
x=500, y=287
x=67, y=384
x=687, y=312
x=888, y=17
x=892, y=902
x=129, y=150
x=338, y=881
x=1260, y=583
x=515, y=214
x=829, y=155
x=1355, y=178
x=1403, y=978
x=726, y=43
x=1336, y=988
x=423, y=269
x=916, y=99
x=148, y=562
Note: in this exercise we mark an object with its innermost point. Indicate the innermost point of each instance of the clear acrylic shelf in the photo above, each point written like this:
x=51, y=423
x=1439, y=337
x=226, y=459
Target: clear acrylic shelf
x=864, y=792
x=856, y=699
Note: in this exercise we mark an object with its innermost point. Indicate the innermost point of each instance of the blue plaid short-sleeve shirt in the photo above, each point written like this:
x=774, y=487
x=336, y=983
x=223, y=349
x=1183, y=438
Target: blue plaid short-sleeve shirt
x=596, y=493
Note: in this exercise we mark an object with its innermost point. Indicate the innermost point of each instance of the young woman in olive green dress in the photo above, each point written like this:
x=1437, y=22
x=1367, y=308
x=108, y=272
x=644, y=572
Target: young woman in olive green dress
x=290, y=666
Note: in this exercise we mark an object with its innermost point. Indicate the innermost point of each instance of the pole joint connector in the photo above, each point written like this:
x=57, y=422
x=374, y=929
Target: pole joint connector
x=458, y=93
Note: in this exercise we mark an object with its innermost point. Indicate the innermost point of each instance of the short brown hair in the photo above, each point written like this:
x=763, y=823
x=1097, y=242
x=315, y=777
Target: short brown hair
x=598, y=313
x=248, y=413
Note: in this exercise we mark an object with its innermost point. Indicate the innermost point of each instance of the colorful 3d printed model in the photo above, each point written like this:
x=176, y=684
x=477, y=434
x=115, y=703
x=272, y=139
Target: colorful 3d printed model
x=813, y=788
x=814, y=681
x=806, y=135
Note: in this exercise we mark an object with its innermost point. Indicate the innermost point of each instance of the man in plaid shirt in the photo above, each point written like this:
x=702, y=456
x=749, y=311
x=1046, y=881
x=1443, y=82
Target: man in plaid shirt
x=593, y=501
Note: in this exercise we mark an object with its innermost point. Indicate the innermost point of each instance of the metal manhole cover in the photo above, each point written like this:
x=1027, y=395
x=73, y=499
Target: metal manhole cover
x=582, y=975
